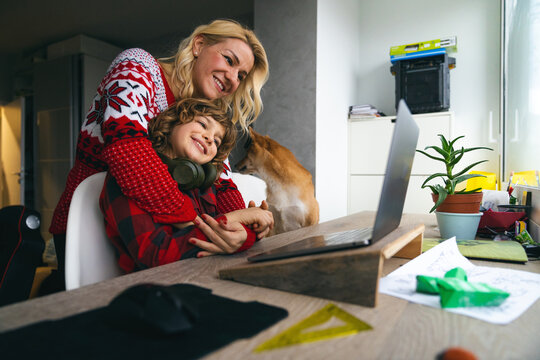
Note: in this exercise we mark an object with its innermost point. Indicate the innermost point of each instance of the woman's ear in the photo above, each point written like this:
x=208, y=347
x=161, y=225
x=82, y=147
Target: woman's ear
x=198, y=44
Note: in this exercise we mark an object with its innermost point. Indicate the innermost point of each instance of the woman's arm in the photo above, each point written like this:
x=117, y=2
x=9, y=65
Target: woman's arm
x=142, y=243
x=224, y=237
x=131, y=94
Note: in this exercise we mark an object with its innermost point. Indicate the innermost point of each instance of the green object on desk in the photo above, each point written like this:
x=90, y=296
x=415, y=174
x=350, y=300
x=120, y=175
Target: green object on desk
x=427, y=284
x=484, y=249
x=457, y=273
x=461, y=293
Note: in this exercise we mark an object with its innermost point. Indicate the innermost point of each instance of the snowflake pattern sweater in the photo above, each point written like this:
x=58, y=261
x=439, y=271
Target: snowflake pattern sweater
x=113, y=138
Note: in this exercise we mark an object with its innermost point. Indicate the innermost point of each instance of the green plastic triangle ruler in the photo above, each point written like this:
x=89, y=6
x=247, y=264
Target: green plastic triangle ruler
x=300, y=333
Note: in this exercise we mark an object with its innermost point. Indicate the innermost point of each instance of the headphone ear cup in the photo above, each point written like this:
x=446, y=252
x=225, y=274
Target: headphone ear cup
x=188, y=174
x=210, y=175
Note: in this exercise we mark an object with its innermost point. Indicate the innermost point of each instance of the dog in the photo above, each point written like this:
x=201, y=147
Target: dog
x=290, y=193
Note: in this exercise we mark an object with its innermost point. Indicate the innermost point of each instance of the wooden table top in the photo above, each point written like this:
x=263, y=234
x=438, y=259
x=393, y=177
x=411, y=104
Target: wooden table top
x=401, y=330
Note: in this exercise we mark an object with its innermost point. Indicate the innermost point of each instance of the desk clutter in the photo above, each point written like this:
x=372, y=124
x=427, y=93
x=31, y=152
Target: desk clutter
x=209, y=322
x=523, y=287
x=505, y=250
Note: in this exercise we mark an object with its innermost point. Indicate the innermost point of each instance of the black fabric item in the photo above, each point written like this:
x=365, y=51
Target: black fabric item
x=21, y=252
x=56, y=281
x=91, y=335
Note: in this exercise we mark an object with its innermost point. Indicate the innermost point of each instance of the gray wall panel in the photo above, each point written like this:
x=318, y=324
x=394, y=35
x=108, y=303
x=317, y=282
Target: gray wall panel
x=288, y=31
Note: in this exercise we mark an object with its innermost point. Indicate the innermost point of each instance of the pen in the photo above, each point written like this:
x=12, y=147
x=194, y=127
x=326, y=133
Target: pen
x=510, y=180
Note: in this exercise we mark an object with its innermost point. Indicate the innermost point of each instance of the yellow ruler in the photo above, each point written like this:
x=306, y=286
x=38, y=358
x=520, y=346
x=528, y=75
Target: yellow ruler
x=298, y=334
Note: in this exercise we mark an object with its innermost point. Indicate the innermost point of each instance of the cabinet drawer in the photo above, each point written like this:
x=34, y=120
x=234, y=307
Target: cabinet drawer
x=369, y=143
x=365, y=191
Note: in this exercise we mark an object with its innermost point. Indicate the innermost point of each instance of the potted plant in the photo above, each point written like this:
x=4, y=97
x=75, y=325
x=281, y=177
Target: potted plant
x=447, y=199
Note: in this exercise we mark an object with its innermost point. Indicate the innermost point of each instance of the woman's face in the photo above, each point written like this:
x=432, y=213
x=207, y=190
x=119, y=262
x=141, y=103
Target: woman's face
x=197, y=140
x=219, y=68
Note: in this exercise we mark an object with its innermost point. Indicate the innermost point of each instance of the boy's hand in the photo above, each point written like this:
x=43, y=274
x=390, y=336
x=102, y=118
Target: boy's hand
x=223, y=238
x=258, y=219
x=264, y=204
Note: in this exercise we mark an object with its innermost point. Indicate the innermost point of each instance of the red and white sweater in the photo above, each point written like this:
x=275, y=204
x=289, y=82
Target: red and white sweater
x=113, y=138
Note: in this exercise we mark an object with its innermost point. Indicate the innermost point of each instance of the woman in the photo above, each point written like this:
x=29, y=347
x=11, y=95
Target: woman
x=219, y=60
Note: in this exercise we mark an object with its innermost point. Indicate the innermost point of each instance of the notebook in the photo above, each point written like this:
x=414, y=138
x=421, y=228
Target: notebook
x=390, y=209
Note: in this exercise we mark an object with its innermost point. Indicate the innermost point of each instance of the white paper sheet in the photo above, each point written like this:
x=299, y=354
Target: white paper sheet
x=524, y=287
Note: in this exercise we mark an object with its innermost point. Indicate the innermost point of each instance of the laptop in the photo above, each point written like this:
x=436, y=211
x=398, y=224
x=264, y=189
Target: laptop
x=390, y=209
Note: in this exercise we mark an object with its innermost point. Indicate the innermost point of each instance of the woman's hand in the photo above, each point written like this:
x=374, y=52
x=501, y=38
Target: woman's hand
x=259, y=219
x=224, y=237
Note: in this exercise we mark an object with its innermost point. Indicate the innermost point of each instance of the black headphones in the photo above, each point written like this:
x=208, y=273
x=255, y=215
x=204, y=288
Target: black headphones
x=188, y=174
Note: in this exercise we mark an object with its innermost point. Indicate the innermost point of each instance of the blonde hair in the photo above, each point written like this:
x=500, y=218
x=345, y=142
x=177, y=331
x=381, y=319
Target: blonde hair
x=183, y=112
x=245, y=103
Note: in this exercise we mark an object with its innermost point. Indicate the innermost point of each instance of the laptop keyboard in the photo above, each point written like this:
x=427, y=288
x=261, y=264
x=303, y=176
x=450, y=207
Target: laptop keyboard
x=346, y=237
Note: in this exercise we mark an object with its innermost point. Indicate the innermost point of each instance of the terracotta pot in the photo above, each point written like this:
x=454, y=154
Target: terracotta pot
x=460, y=203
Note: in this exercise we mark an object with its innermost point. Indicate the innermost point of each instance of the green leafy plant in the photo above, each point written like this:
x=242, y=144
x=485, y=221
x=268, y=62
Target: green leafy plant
x=450, y=157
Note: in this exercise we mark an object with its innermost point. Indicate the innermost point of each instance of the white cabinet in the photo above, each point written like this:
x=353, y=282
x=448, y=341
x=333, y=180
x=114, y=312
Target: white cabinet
x=369, y=144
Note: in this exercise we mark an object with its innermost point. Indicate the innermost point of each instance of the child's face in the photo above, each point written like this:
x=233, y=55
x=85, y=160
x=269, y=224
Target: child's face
x=197, y=140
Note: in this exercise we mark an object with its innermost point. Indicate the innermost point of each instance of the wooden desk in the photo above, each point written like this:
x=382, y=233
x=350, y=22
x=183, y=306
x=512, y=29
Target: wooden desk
x=401, y=330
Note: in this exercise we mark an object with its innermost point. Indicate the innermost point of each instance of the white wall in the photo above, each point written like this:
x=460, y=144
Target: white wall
x=474, y=83
x=338, y=67
x=353, y=67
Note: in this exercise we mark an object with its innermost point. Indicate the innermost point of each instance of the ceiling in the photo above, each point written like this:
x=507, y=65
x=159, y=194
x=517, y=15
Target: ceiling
x=157, y=25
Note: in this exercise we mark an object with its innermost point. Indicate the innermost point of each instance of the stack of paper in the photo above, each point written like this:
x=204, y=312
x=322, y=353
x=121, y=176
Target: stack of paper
x=361, y=111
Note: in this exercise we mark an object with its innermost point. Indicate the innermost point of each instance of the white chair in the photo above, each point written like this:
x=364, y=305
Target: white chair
x=251, y=187
x=90, y=256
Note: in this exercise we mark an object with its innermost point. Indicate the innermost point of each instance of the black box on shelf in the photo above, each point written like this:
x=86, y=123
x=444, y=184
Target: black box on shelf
x=424, y=83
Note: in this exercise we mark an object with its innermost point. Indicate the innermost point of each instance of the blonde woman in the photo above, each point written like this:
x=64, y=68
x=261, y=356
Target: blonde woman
x=219, y=60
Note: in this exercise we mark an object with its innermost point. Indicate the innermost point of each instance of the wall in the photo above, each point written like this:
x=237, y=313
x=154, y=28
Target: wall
x=338, y=77
x=474, y=83
x=350, y=52
x=353, y=67
x=10, y=153
x=288, y=30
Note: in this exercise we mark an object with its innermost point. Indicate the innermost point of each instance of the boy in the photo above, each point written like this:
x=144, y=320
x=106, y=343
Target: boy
x=199, y=132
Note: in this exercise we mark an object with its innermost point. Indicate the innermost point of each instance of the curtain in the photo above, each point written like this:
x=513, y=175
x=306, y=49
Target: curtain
x=521, y=59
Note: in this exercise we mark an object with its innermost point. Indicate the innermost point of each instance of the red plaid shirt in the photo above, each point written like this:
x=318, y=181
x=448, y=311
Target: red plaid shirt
x=142, y=243
x=113, y=138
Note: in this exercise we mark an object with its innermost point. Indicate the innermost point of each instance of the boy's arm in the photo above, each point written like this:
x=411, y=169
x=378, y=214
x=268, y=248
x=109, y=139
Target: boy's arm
x=227, y=194
x=141, y=242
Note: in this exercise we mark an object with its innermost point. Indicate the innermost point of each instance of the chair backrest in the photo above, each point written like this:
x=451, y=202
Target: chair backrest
x=251, y=187
x=90, y=256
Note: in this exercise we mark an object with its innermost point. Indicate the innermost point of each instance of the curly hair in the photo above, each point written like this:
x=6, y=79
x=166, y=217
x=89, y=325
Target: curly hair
x=246, y=102
x=183, y=112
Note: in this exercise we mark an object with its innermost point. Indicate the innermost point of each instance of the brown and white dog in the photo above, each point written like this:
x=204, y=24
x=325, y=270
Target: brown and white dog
x=290, y=193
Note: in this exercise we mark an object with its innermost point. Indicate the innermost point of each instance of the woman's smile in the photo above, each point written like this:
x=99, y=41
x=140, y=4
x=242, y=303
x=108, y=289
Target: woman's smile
x=219, y=84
